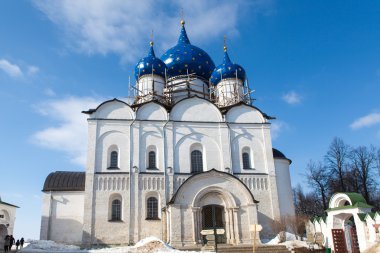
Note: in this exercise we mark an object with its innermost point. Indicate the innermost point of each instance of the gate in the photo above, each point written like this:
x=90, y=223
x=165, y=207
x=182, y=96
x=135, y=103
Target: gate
x=354, y=239
x=339, y=240
x=212, y=218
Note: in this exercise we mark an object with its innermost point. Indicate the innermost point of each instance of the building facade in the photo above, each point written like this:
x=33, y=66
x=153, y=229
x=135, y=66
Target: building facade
x=7, y=220
x=189, y=153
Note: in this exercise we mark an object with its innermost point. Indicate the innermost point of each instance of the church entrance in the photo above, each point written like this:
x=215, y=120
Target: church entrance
x=3, y=233
x=213, y=218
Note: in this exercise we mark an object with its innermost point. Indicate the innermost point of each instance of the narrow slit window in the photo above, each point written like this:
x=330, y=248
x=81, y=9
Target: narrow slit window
x=152, y=160
x=196, y=161
x=246, y=161
x=116, y=210
x=114, y=159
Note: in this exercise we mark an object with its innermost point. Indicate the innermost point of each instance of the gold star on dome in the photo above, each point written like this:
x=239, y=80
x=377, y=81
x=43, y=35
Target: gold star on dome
x=193, y=58
x=177, y=59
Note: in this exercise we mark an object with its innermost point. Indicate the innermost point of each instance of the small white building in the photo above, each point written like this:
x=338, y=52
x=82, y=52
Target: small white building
x=349, y=226
x=7, y=220
x=190, y=153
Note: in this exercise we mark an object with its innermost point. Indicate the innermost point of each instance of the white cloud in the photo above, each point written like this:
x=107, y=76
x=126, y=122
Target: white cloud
x=123, y=27
x=33, y=70
x=11, y=69
x=276, y=128
x=49, y=92
x=292, y=98
x=70, y=134
x=366, y=121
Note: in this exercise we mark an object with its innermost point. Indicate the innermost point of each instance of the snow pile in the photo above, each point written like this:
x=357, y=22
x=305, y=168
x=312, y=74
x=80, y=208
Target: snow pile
x=374, y=249
x=147, y=245
x=290, y=243
x=49, y=246
x=275, y=241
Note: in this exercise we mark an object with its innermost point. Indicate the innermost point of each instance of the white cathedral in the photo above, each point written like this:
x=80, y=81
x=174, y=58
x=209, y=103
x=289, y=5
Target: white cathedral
x=189, y=153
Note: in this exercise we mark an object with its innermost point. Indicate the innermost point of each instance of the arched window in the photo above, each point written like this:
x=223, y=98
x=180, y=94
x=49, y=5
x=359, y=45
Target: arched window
x=152, y=160
x=152, y=208
x=114, y=159
x=246, y=161
x=196, y=161
x=116, y=210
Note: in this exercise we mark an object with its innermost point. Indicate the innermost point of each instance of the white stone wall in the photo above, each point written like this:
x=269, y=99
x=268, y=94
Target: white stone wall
x=284, y=186
x=62, y=217
x=193, y=123
x=7, y=221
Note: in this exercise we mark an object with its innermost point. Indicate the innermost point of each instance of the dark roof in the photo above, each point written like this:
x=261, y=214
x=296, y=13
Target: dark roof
x=91, y=111
x=278, y=154
x=5, y=203
x=65, y=181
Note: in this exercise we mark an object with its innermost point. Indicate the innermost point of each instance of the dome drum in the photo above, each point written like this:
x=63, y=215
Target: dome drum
x=228, y=92
x=150, y=87
x=186, y=86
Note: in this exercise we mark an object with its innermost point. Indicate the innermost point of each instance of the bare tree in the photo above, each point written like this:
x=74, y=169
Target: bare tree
x=336, y=159
x=378, y=160
x=297, y=224
x=308, y=204
x=364, y=162
x=278, y=227
x=318, y=178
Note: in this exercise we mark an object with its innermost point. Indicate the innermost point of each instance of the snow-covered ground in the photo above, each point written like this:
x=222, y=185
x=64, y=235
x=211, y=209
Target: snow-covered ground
x=149, y=244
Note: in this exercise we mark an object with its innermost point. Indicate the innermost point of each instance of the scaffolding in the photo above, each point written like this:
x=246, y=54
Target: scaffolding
x=228, y=92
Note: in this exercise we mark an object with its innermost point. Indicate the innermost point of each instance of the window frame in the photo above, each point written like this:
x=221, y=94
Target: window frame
x=154, y=157
x=152, y=208
x=116, y=210
x=196, y=158
x=246, y=159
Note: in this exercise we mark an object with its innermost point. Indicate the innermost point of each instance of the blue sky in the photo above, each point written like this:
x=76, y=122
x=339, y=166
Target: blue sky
x=314, y=65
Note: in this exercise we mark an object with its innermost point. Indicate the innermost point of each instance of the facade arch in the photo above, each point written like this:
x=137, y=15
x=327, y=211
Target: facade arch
x=107, y=143
x=247, y=143
x=197, y=141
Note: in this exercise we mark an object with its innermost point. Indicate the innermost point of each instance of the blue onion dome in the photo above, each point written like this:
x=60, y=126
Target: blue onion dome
x=227, y=70
x=185, y=58
x=150, y=64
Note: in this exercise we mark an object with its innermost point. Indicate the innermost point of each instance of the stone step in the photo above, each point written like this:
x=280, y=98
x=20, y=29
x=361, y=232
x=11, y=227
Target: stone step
x=245, y=249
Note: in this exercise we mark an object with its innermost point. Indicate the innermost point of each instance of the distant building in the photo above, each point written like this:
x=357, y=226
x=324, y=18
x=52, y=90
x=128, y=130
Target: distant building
x=7, y=220
x=189, y=153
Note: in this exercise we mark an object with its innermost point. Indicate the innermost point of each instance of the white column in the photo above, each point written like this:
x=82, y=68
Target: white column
x=226, y=217
x=196, y=228
x=231, y=228
x=236, y=227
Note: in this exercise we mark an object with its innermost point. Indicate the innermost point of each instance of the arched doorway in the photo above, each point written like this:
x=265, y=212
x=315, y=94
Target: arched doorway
x=351, y=235
x=213, y=218
x=3, y=233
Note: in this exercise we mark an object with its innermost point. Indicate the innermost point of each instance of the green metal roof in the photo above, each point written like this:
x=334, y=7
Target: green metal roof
x=357, y=201
x=362, y=216
x=356, y=205
x=355, y=197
